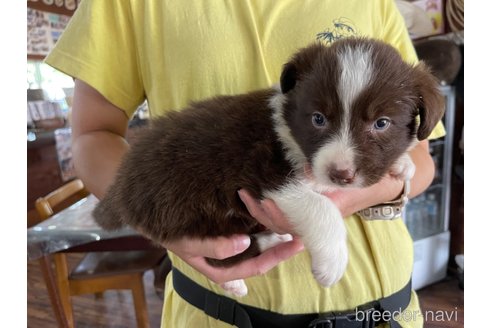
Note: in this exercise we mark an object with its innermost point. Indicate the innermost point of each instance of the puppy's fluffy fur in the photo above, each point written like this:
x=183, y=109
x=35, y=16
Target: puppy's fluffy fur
x=344, y=116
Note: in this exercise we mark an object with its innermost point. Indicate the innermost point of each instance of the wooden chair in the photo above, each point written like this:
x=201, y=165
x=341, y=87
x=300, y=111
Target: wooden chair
x=97, y=271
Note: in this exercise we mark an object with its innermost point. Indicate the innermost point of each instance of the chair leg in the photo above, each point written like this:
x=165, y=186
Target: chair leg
x=63, y=286
x=140, y=303
x=51, y=286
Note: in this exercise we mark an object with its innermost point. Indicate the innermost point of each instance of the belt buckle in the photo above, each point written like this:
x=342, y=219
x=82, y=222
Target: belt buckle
x=322, y=322
x=348, y=319
x=368, y=321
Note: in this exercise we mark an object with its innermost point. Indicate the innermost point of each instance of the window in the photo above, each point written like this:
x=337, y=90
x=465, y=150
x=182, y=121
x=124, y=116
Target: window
x=56, y=85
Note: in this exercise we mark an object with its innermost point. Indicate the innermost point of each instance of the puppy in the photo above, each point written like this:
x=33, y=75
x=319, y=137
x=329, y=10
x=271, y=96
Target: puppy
x=343, y=117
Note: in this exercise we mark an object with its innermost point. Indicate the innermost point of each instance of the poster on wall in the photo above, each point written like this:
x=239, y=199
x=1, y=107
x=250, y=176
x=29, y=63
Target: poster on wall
x=43, y=30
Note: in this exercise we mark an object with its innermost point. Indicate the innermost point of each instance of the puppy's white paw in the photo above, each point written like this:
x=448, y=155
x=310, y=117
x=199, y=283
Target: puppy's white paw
x=403, y=168
x=328, y=268
x=236, y=288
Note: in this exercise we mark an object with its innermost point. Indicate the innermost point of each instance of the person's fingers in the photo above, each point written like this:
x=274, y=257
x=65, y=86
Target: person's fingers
x=277, y=217
x=251, y=267
x=262, y=214
x=195, y=250
x=254, y=207
x=273, y=256
x=217, y=248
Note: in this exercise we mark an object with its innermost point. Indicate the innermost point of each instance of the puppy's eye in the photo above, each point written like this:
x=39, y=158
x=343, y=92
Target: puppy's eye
x=382, y=123
x=318, y=120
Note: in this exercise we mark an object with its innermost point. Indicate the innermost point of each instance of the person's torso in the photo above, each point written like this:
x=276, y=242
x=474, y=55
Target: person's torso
x=192, y=52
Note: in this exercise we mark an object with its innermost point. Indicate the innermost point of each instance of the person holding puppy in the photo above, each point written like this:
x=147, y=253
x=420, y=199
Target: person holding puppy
x=170, y=53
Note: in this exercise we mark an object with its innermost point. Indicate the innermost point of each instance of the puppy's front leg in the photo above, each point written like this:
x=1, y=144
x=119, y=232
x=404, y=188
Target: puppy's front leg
x=236, y=288
x=320, y=226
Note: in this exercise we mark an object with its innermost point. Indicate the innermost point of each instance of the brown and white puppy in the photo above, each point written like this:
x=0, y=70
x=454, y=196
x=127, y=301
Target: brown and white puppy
x=347, y=112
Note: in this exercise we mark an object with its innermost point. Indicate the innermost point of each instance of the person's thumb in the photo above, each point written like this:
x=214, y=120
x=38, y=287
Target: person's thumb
x=219, y=247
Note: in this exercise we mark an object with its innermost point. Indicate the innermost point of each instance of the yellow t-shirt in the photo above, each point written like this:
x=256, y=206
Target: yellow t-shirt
x=174, y=52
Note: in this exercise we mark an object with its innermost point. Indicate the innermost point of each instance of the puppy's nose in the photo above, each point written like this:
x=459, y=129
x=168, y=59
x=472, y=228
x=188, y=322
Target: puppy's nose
x=342, y=177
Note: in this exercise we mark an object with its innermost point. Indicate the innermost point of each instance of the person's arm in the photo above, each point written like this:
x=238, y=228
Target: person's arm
x=98, y=138
x=98, y=146
x=349, y=201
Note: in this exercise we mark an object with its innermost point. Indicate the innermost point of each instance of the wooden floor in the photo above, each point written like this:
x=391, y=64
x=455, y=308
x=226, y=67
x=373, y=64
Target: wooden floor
x=442, y=304
x=115, y=309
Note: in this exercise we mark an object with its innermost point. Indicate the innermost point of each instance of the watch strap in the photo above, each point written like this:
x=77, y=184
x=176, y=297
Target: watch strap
x=387, y=210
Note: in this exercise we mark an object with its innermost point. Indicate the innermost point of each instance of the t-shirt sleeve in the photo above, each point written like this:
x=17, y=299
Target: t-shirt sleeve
x=99, y=48
x=396, y=34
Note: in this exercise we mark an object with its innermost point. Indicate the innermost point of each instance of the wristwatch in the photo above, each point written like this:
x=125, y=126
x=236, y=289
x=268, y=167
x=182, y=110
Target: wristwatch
x=387, y=210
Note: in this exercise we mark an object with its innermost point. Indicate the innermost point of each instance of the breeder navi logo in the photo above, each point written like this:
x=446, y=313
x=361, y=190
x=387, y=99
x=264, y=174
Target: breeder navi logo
x=407, y=316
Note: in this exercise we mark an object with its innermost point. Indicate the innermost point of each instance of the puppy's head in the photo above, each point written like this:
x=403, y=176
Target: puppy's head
x=350, y=110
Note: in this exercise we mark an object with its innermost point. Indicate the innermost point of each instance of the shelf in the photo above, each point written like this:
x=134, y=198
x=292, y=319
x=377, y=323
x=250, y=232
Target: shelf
x=424, y=214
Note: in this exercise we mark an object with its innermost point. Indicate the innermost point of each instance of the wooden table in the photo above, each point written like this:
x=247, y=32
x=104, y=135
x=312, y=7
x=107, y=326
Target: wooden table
x=74, y=230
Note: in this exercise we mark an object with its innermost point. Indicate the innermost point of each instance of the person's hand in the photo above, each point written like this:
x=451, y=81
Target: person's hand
x=348, y=201
x=267, y=213
x=351, y=200
x=194, y=251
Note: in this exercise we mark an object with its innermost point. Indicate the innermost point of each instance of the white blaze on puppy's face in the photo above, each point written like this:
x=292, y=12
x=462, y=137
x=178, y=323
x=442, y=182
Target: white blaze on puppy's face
x=356, y=73
x=334, y=163
x=336, y=156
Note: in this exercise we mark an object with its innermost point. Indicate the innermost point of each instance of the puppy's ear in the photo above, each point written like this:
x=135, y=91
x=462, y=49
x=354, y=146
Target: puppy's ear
x=288, y=77
x=300, y=64
x=431, y=101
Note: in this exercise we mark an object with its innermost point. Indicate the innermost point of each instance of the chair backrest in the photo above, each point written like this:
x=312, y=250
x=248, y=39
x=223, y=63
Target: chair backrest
x=73, y=189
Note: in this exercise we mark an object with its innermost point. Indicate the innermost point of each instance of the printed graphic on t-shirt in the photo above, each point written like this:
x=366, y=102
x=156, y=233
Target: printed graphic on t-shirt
x=341, y=28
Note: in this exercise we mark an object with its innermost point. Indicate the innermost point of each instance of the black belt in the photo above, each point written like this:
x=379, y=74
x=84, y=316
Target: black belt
x=244, y=316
